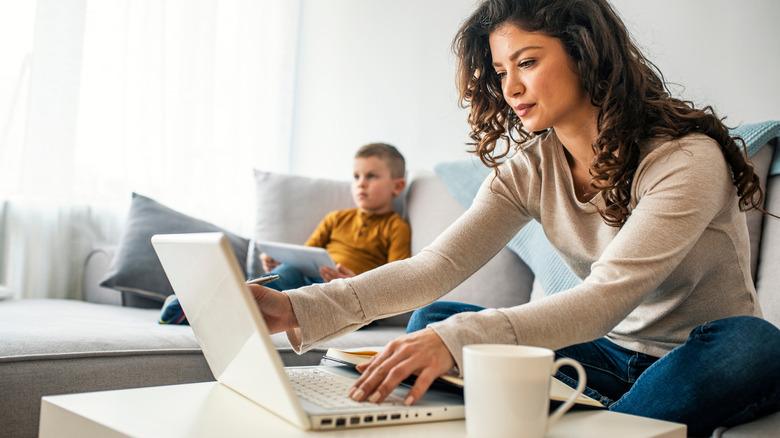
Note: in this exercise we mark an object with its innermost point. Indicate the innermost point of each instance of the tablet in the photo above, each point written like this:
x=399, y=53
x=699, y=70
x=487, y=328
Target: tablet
x=307, y=259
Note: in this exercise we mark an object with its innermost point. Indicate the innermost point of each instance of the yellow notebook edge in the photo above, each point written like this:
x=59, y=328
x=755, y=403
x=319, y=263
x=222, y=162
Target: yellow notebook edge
x=559, y=391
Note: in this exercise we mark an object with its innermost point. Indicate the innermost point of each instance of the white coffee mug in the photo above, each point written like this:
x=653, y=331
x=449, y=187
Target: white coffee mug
x=507, y=390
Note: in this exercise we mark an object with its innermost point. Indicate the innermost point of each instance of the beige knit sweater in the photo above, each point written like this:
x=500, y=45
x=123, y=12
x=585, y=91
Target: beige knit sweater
x=681, y=259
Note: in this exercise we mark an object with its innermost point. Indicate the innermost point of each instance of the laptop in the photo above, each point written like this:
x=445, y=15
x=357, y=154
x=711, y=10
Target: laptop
x=307, y=259
x=235, y=341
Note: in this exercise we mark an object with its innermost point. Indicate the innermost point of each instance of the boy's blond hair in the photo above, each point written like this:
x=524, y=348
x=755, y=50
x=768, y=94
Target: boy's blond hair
x=395, y=161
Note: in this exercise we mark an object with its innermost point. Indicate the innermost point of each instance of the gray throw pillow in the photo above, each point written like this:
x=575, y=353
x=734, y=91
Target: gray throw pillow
x=135, y=269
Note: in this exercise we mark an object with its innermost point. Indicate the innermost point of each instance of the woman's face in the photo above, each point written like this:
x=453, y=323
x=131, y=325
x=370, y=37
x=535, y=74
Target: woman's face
x=539, y=80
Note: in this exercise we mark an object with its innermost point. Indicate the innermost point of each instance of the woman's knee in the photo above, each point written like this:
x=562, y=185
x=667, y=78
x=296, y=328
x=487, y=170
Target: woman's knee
x=742, y=331
x=437, y=311
x=754, y=341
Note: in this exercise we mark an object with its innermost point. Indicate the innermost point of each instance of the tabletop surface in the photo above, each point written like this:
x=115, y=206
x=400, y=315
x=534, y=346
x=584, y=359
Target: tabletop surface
x=212, y=409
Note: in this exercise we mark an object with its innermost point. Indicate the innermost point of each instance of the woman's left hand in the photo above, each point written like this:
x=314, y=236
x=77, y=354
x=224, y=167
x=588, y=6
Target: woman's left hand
x=422, y=353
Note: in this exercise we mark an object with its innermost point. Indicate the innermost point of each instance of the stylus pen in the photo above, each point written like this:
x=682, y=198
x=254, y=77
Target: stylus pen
x=264, y=279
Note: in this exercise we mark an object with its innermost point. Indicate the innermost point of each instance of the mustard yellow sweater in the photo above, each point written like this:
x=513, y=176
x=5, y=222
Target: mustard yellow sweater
x=361, y=241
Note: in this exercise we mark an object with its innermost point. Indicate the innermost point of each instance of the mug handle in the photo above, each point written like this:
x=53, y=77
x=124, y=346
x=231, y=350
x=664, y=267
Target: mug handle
x=555, y=416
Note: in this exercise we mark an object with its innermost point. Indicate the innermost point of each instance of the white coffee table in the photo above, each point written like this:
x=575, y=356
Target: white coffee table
x=210, y=409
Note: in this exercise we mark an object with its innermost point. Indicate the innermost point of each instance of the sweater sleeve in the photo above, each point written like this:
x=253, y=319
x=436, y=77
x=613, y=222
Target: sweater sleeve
x=326, y=311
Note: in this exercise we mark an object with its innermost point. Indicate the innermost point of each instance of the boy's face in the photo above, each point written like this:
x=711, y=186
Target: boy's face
x=373, y=187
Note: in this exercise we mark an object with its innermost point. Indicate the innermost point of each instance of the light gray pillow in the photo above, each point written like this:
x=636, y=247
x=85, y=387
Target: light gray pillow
x=289, y=207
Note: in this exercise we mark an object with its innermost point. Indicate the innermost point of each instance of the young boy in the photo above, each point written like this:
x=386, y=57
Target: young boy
x=358, y=239
x=362, y=238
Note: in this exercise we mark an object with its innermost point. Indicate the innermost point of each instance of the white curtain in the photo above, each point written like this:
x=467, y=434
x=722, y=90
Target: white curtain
x=174, y=99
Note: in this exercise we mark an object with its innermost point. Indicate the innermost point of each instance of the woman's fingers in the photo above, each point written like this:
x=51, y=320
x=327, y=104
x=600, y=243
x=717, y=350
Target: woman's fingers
x=422, y=353
x=373, y=373
x=275, y=307
x=424, y=381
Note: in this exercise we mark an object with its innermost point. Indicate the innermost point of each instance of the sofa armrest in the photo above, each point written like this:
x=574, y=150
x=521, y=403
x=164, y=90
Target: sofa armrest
x=95, y=267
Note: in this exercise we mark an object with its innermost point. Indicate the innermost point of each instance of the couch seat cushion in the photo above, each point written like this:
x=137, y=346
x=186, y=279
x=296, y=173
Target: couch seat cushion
x=52, y=347
x=60, y=329
x=68, y=327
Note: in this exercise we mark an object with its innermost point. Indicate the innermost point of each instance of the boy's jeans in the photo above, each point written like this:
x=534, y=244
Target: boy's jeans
x=290, y=278
x=726, y=373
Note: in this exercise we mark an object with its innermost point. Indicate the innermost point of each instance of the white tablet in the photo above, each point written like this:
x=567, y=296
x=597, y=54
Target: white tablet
x=307, y=259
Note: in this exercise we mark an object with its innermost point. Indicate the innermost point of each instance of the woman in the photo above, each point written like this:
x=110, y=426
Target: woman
x=642, y=194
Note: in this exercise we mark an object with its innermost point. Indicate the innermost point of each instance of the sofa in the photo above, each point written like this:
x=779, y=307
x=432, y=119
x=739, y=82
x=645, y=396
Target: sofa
x=112, y=339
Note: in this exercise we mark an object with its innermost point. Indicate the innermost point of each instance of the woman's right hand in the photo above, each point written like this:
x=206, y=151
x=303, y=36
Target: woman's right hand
x=422, y=353
x=275, y=307
x=268, y=263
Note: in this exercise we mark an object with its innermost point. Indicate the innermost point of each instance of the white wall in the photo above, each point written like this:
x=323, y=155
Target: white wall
x=374, y=70
x=723, y=52
x=378, y=70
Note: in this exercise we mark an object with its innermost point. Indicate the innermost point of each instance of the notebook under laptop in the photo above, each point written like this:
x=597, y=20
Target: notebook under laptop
x=235, y=341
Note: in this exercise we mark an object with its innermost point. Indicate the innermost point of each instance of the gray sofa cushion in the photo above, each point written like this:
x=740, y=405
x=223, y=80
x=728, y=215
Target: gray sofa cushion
x=504, y=281
x=761, y=428
x=95, y=267
x=135, y=269
x=53, y=329
x=289, y=207
x=755, y=219
x=67, y=346
x=63, y=346
x=768, y=274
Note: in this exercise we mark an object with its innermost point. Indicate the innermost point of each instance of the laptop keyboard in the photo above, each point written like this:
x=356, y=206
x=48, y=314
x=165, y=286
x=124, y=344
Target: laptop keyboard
x=328, y=390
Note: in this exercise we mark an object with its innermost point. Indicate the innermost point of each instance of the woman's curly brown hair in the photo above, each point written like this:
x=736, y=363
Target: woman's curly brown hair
x=633, y=100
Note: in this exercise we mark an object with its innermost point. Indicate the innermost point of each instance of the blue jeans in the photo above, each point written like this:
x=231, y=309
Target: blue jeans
x=290, y=278
x=726, y=373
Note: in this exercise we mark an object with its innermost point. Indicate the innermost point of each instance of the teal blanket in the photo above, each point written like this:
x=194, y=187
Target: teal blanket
x=463, y=178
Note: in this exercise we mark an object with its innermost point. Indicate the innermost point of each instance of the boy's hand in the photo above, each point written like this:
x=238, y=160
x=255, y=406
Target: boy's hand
x=329, y=274
x=275, y=307
x=268, y=263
